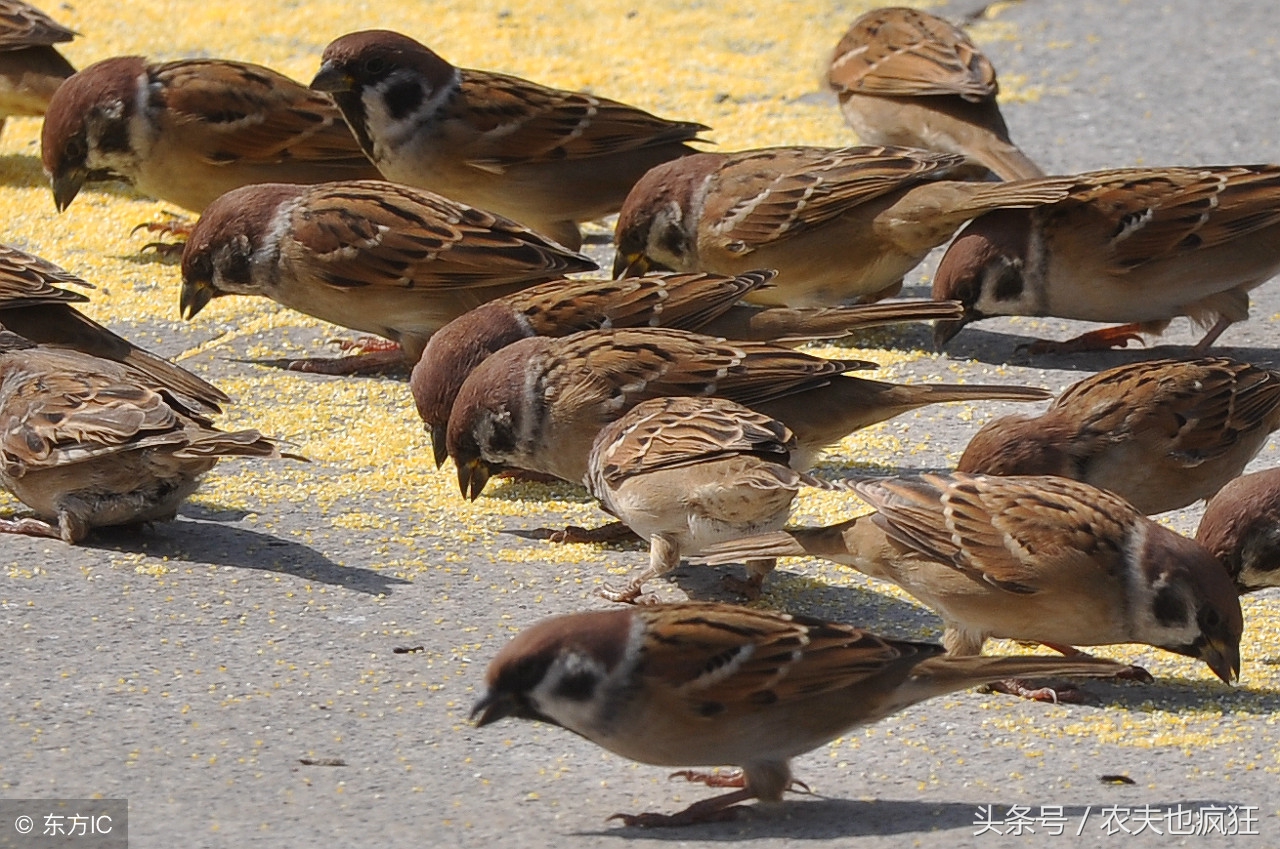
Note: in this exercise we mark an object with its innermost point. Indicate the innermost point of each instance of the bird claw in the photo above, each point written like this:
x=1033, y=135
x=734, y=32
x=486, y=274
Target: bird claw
x=166, y=251
x=366, y=344
x=368, y=363
x=1095, y=340
x=629, y=594
x=711, y=779
x=612, y=532
x=1054, y=695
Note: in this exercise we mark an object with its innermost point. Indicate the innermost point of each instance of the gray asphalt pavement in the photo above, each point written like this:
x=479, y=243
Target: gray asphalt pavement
x=236, y=674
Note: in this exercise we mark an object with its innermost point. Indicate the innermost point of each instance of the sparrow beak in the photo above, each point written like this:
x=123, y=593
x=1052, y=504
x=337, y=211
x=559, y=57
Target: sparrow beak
x=630, y=265
x=196, y=295
x=332, y=79
x=439, y=446
x=1223, y=658
x=66, y=185
x=493, y=706
x=945, y=331
x=472, y=476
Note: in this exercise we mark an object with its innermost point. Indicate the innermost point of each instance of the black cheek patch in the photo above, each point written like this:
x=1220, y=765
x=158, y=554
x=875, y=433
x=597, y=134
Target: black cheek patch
x=115, y=138
x=578, y=687
x=1009, y=284
x=1168, y=608
x=710, y=709
x=236, y=268
x=673, y=241
x=403, y=98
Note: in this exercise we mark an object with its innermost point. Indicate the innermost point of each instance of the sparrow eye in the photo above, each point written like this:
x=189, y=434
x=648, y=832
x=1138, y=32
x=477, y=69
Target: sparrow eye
x=374, y=66
x=75, y=149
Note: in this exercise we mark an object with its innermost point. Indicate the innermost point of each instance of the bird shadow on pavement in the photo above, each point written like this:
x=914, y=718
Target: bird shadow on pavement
x=821, y=818
x=1173, y=695
x=397, y=371
x=219, y=544
x=23, y=171
x=995, y=348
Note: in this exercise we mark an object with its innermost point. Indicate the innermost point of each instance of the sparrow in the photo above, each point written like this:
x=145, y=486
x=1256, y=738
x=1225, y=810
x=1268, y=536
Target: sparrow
x=1135, y=245
x=1035, y=558
x=542, y=156
x=685, y=301
x=538, y=403
x=906, y=77
x=688, y=472
x=704, y=684
x=1161, y=434
x=837, y=224
x=1241, y=527
x=187, y=131
x=33, y=305
x=85, y=444
x=31, y=69
x=370, y=255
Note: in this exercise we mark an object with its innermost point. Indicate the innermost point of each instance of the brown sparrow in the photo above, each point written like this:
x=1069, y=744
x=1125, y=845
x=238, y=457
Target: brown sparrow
x=188, y=131
x=85, y=444
x=30, y=68
x=688, y=472
x=538, y=403
x=1160, y=434
x=1241, y=527
x=837, y=224
x=370, y=255
x=544, y=157
x=906, y=77
x=691, y=301
x=1137, y=245
x=33, y=305
x=703, y=684
x=1041, y=559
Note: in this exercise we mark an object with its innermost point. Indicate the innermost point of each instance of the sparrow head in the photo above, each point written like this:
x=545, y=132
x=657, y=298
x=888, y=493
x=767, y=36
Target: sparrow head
x=657, y=226
x=452, y=353
x=86, y=134
x=492, y=422
x=219, y=256
x=381, y=77
x=983, y=269
x=1025, y=445
x=553, y=670
x=1241, y=527
x=1188, y=603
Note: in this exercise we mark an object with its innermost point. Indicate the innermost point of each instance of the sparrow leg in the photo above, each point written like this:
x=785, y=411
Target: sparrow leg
x=612, y=532
x=366, y=363
x=716, y=809
x=366, y=344
x=1095, y=340
x=664, y=556
x=1056, y=695
x=29, y=527
x=177, y=226
x=1212, y=336
x=737, y=778
x=757, y=571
